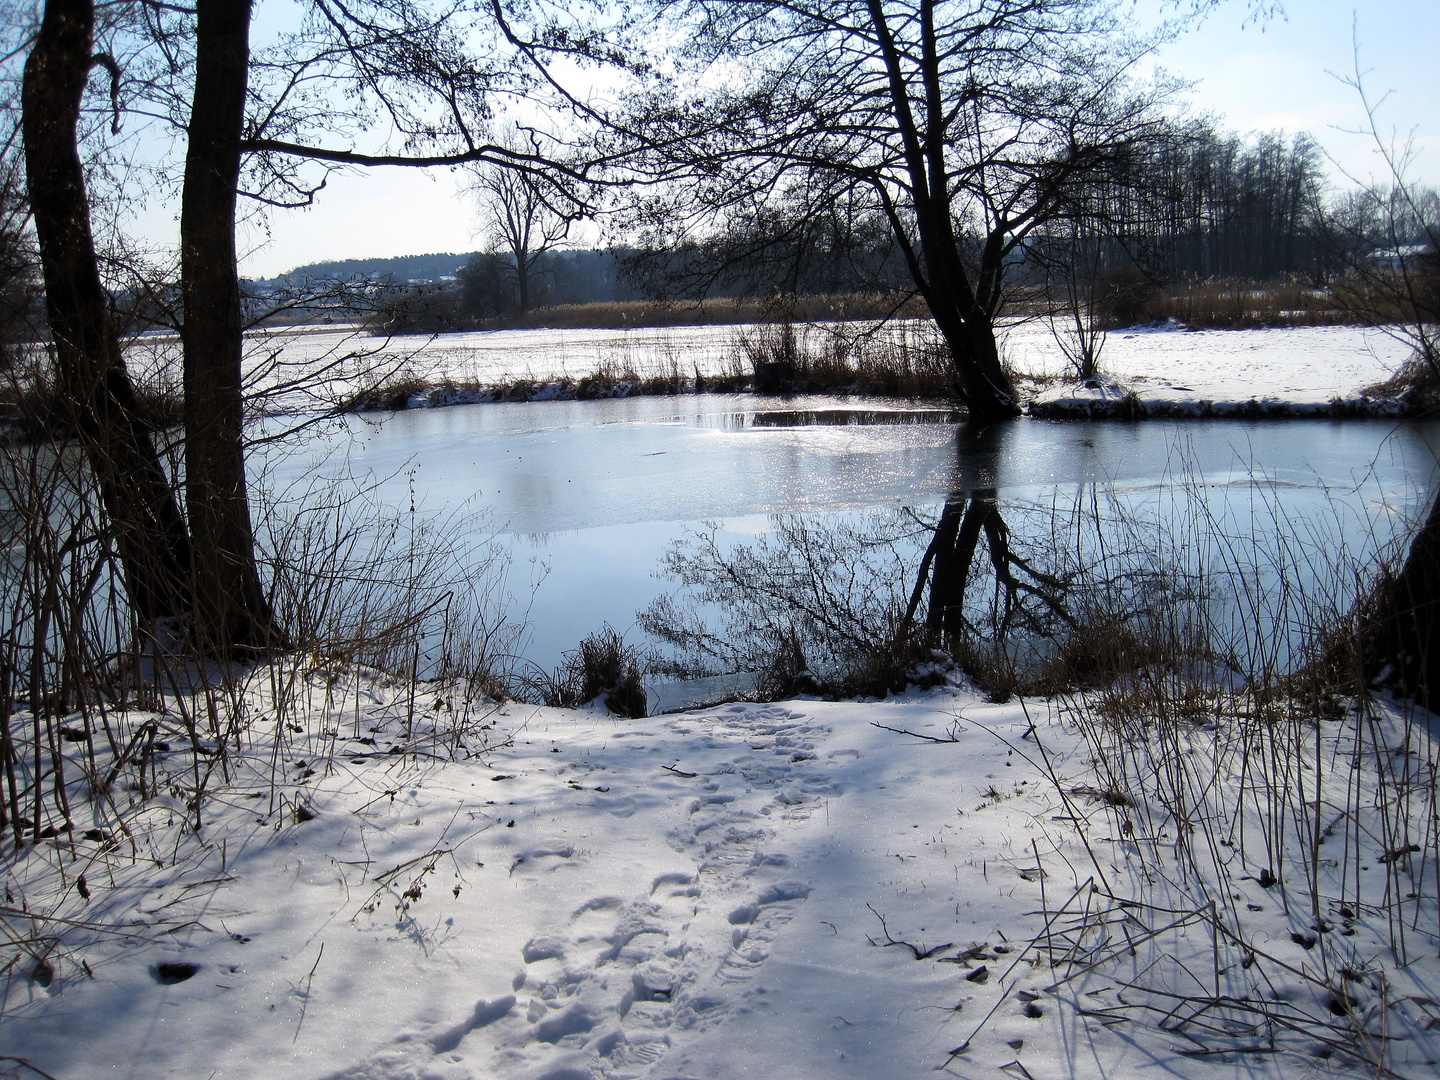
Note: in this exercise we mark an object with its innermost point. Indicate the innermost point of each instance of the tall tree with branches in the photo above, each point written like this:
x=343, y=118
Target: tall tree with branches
x=524, y=215
x=230, y=602
x=966, y=124
x=410, y=63
x=400, y=75
x=150, y=534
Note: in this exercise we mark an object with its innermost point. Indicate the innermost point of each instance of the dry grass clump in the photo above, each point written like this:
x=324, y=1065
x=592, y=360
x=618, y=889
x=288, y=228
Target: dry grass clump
x=1131, y=298
x=1239, y=742
x=1254, y=812
x=1233, y=303
x=905, y=360
x=1416, y=385
x=900, y=360
x=601, y=668
x=395, y=395
x=33, y=406
x=1369, y=299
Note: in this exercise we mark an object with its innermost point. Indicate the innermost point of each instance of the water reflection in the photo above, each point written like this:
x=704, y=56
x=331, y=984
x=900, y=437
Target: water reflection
x=852, y=525
x=1034, y=588
x=598, y=490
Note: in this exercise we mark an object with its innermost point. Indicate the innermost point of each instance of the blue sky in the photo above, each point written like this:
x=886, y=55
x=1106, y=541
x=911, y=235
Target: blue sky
x=1256, y=76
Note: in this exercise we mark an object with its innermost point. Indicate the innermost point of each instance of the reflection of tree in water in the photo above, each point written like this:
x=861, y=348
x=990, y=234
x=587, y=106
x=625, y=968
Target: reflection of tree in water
x=1076, y=590
x=949, y=562
x=860, y=603
x=857, y=604
x=1022, y=596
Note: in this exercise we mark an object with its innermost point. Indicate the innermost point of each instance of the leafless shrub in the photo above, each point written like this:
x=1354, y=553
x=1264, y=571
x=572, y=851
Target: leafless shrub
x=809, y=607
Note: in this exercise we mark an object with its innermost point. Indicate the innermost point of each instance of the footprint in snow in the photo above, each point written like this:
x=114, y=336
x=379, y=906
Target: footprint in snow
x=485, y=1013
x=756, y=925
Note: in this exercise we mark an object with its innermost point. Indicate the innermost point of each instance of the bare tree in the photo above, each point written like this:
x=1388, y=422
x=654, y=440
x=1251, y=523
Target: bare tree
x=401, y=57
x=256, y=126
x=1073, y=262
x=150, y=532
x=230, y=602
x=966, y=124
x=523, y=214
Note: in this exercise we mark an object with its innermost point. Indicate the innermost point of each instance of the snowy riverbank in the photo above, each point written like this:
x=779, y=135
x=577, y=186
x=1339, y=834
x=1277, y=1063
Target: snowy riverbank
x=798, y=889
x=1296, y=371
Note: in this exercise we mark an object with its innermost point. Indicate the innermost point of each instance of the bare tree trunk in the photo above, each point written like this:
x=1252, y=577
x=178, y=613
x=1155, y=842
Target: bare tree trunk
x=231, y=610
x=1400, y=633
x=522, y=278
x=937, y=268
x=149, y=530
x=980, y=378
x=960, y=313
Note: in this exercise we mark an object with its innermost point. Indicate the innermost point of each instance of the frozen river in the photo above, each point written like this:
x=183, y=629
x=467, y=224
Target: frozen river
x=599, y=490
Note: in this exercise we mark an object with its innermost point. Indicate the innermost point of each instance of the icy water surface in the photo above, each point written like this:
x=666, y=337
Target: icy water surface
x=598, y=490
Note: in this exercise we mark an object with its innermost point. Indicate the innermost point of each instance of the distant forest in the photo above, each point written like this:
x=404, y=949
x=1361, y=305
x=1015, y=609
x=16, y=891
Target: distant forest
x=448, y=290
x=417, y=268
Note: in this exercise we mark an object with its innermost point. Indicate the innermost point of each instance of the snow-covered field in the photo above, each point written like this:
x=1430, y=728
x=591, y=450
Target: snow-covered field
x=1302, y=368
x=1187, y=372
x=792, y=890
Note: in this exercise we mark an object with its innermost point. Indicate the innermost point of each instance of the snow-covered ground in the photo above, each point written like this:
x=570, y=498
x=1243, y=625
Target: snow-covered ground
x=1302, y=368
x=1177, y=372
x=800, y=889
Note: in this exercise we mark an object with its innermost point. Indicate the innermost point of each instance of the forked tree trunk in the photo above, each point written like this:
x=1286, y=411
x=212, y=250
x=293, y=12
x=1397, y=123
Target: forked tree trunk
x=960, y=310
x=1401, y=630
x=960, y=313
x=150, y=534
x=231, y=610
x=957, y=537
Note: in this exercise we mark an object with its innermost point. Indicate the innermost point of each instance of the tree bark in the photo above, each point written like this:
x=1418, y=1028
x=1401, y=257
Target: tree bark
x=1399, y=631
x=231, y=609
x=980, y=379
x=522, y=278
x=938, y=268
x=960, y=313
x=150, y=534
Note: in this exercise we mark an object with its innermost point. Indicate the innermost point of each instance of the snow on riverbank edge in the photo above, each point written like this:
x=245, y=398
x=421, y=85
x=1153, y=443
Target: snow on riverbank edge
x=1163, y=371
x=1142, y=398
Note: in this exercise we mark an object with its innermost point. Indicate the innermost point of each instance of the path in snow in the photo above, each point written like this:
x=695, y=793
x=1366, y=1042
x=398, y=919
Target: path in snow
x=784, y=891
x=645, y=961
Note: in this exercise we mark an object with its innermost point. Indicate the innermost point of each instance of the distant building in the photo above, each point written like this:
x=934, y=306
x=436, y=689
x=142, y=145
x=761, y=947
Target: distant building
x=1403, y=257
